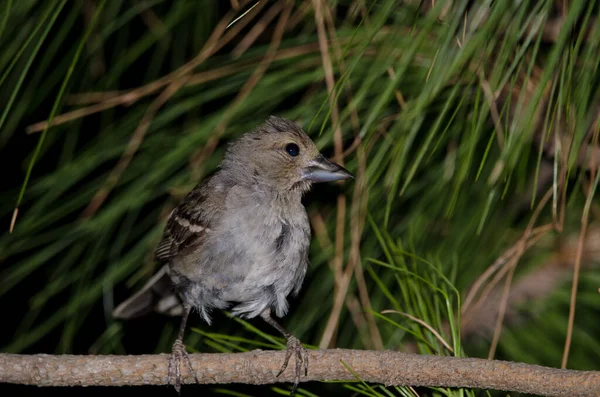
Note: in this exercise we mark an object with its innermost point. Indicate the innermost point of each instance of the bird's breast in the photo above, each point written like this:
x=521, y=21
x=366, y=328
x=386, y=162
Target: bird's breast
x=267, y=244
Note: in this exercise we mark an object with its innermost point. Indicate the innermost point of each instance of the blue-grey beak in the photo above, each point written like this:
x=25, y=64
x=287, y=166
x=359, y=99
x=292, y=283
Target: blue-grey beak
x=322, y=170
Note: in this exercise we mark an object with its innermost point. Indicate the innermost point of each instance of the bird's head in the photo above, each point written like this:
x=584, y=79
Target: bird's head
x=281, y=155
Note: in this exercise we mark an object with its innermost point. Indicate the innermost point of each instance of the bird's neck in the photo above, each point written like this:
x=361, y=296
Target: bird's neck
x=278, y=193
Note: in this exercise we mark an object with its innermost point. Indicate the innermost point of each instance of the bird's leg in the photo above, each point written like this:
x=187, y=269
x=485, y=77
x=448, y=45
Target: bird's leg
x=178, y=353
x=293, y=347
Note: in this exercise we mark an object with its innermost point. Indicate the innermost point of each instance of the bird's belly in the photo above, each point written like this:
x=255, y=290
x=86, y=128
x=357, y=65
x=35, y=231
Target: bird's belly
x=268, y=282
x=262, y=270
x=253, y=266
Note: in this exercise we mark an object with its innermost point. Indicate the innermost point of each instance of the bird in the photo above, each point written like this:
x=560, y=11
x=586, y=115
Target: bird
x=240, y=239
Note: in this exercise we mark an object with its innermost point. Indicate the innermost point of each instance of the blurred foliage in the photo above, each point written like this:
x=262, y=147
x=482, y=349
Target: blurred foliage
x=472, y=129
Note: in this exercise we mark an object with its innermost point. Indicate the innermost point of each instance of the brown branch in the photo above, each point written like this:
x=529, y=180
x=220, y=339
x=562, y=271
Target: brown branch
x=260, y=367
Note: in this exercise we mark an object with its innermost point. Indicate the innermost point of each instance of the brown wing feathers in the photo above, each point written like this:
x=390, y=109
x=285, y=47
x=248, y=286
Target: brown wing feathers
x=186, y=226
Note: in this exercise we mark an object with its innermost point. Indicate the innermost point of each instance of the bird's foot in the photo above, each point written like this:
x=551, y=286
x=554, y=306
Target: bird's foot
x=294, y=346
x=178, y=354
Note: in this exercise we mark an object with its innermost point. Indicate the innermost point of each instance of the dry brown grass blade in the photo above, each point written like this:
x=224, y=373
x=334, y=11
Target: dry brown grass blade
x=479, y=320
x=320, y=227
x=535, y=236
x=262, y=67
x=132, y=147
x=521, y=93
x=511, y=266
x=242, y=15
x=512, y=255
x=342, y=277
x=197, y=159
x=256, y=30
x=358, y=216
x=580, y=248
x=115, y=98
x=470, y=312
x=358, y=209
x=491, y=100
x=343, y=284
x=329, y=79
x=424, y=324
x=211, y=46
x=358, y=317
x=97, y=64
x=354, y=306
x=302, y=11
x=13, y=219
x=106, y=100
x=575, y=283
x=337, y=141
x=397, y=93
x=80, y=113
x=153, y=22
x=337, y=49
x=536, y=285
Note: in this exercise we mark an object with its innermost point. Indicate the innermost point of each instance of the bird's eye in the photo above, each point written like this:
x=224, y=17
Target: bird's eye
x=292, y=149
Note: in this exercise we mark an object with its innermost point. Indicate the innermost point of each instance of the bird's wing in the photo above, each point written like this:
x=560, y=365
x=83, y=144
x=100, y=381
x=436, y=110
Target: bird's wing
x=187, y=225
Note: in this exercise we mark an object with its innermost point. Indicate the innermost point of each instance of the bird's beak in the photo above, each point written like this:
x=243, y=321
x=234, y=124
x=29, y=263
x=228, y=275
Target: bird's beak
x=322, y=170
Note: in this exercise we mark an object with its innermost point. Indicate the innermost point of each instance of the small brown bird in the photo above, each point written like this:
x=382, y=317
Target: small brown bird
x=240, y=238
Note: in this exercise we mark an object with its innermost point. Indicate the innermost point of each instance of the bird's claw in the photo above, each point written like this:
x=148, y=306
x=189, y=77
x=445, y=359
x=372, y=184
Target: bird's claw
x=179, y=353
x=294, y=346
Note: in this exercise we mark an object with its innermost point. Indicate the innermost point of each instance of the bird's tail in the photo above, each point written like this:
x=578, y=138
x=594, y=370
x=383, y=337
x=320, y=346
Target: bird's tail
x=156, y=295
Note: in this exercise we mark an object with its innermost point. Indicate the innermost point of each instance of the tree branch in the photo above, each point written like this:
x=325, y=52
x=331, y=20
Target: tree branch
x=260, y=367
